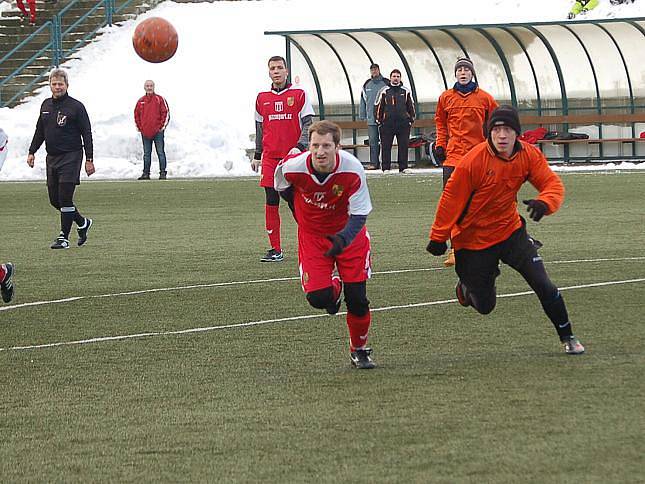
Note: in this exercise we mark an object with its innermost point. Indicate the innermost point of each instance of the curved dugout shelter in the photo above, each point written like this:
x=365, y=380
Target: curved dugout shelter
x=584, y=77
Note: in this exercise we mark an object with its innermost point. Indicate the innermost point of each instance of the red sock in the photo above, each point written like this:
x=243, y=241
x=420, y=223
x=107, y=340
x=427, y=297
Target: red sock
x=272, y=222
x=358, y=328
x=3, y=272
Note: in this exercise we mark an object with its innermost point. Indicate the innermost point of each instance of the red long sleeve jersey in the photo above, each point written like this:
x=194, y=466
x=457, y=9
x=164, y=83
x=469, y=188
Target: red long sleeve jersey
x=151, y=114
x=478, y=206
x=281, y=116
x=323, y=208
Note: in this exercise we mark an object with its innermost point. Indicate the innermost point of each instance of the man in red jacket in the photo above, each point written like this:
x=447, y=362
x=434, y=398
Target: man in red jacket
x=151, y=115
x=478, y=212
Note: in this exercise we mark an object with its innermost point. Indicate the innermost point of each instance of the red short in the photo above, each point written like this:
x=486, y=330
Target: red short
x=268, y=170
x=354, y=263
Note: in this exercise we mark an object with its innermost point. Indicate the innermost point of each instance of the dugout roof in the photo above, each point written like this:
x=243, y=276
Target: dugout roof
x=544, y=69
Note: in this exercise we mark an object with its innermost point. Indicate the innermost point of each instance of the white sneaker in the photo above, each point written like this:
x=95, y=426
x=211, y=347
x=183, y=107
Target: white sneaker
x=386, y=172
x=406, y=171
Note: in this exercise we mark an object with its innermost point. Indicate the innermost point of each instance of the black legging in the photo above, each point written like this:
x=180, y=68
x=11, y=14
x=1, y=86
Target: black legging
x=534, y=273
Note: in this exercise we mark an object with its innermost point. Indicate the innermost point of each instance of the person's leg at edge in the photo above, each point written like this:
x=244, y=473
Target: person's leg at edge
x=32, y=11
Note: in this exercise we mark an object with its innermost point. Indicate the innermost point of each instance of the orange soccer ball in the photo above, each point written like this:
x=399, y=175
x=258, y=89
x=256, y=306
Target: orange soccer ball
x=155, y=40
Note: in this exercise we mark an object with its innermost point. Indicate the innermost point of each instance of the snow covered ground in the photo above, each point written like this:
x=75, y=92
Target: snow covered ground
x=212, y=81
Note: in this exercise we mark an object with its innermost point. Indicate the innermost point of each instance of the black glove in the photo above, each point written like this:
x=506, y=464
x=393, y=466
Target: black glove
x=337, y=245
x=437, y=248
x=439, y=153
x=536, y=209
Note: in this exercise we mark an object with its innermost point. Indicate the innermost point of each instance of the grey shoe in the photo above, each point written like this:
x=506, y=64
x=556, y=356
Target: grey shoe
x=361, y=359
x=573, y=346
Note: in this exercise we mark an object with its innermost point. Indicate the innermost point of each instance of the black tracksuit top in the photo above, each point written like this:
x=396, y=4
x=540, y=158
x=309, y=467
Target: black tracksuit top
x=62, y=123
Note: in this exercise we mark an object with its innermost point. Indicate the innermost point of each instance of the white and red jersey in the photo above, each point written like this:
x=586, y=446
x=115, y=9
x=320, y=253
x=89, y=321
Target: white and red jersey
x=323, y=208
x=281, y=113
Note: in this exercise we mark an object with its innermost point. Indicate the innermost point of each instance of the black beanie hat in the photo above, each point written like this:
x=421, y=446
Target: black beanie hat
x=465, y=62
x=504, y=116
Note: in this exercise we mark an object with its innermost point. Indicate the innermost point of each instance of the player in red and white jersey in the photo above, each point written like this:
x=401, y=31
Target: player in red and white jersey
x=327, y=189
x=283, y=115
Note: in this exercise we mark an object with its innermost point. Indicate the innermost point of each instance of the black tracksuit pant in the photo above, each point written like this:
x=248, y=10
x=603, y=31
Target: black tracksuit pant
x=388, y=131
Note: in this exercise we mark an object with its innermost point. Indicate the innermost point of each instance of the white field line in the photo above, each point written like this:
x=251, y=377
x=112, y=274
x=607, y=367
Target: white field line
x=263, y=281
x=292, y=318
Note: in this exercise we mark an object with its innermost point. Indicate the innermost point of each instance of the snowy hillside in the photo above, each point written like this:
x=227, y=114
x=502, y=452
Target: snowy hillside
x=212, y=81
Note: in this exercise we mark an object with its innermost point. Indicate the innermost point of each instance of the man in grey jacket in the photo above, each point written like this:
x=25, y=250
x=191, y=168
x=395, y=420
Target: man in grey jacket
x=371, y=88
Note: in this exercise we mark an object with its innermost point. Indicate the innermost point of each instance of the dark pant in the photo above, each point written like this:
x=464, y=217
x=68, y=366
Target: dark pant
x=402, y=132
x=375, y=145
x=147, y=152
x=447, y=173
x=478, y=269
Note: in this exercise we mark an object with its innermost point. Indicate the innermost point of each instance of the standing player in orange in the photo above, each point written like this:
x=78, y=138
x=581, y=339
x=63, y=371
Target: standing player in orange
x=460, y=120
x=283, y=115
x=478, y=211
x=328, y=192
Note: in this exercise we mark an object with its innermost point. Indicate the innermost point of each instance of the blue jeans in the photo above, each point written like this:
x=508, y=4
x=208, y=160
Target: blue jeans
x=375, y=145
x=147, y=152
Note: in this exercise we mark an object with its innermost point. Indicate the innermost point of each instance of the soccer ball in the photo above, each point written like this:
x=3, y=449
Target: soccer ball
x=155, y=40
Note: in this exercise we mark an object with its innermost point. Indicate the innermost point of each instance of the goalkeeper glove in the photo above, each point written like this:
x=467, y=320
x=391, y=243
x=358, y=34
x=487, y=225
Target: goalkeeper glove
x=437, y=248
x=536, y=209
x=439, y=154
x=337, y=245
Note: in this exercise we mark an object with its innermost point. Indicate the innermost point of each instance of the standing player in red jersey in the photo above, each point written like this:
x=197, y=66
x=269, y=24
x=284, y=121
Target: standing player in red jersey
x=328, y=192
x=283, y=115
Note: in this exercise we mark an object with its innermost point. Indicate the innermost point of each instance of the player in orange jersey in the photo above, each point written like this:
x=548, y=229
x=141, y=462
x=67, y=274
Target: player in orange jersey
x=478, y=212
x=461, y=115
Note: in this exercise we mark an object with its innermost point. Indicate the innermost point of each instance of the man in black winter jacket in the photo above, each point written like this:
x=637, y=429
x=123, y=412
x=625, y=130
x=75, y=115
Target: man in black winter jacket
x=64, y=126
x=394, y=112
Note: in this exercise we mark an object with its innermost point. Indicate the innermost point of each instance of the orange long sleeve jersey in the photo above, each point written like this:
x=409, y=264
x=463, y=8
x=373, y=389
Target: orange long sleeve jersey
x=478, y=206
x=460, y=120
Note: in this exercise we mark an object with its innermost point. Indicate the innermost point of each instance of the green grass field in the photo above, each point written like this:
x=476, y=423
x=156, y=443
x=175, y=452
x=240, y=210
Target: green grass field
x=457, y=397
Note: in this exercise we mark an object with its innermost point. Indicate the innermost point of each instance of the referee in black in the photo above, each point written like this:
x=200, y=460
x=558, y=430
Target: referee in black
x=62, y=123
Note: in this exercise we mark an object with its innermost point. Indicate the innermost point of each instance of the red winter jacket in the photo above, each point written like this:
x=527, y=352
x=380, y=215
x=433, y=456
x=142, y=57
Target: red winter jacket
x=151, y=115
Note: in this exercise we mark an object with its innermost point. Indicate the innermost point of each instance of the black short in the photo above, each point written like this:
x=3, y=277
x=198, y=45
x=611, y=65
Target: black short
x=478, y=269
x=65, y=168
